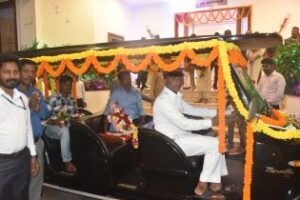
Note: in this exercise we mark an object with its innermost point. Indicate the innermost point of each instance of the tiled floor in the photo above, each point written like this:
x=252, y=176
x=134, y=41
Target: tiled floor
x=52, y=194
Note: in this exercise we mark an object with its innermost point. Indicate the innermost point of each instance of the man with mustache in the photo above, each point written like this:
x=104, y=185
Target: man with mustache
x=39, y=112
x=17, y=150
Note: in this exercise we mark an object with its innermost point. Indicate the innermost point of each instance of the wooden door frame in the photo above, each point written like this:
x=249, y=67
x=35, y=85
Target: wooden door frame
x=11, y=4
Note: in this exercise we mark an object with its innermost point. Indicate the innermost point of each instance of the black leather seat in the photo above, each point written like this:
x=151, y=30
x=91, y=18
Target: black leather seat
x=165, y=165
x=84, y=111
x=97, y=162
x=52, y=153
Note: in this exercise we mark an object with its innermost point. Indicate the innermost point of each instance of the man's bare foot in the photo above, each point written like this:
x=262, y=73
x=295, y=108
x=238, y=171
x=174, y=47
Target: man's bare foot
x=70, y=167
x=200, y=188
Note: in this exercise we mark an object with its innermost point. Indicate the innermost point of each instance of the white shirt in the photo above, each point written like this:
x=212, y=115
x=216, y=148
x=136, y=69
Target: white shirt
x=168, y=115
x=80, y=90
x=271, y=88
x=15, y=123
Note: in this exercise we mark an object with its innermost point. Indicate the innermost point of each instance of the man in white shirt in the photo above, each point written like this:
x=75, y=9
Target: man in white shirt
x=168, y=114
x=272, y=84
x=17, y=150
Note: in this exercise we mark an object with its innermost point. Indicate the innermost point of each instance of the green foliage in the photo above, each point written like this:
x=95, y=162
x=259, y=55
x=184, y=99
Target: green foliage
x=34, y=46
x=288, y=64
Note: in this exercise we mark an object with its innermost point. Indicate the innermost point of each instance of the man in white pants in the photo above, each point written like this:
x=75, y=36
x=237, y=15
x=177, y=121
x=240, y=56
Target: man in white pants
x=168, y=112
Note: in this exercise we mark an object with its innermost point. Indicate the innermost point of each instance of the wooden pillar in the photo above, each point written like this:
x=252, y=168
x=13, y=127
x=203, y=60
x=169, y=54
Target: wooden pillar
x=176, y=25
x=239, y=21
x=185, y=23
x=250, y=18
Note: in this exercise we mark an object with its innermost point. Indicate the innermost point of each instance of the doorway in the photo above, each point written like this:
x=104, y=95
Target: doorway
x=8, y=28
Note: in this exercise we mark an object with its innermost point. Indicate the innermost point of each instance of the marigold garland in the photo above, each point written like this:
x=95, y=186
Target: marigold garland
x=279, y=121
x=260, y=126
x=93, y=61
x=133, y=51
x=249, y=163
x=225, y=52
x=221, y=107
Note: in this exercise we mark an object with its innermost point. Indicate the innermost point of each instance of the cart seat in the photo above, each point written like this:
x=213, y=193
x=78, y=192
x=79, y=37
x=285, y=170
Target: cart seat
x=164, y=163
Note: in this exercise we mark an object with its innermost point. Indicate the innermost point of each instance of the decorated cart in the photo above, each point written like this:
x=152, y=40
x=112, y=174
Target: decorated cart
x=272, y=150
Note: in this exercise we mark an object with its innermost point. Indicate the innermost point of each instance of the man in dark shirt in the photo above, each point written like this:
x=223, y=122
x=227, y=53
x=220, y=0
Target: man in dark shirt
x=295, y=36
x=38, y=112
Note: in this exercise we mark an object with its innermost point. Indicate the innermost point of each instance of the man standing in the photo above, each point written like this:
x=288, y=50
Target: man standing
x=142, y=79
x=80, y=93
x=38, y=112
x=295, y=36
x=128, y=98
x=272, y=84
x=168, y=114
x=17, y=151
x=62, y=107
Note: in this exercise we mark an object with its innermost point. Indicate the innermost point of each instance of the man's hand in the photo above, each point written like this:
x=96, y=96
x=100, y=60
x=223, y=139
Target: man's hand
x=35, y=167
x=34, y=102
x=56, y=122
x=141, y=121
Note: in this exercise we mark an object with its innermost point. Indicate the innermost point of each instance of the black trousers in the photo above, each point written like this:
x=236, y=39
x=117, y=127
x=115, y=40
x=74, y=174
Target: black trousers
x=142, y=79
x=15, y=177
x=275, y=107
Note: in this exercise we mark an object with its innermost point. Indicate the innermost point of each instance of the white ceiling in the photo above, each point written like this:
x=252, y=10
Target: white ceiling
x=143, y=2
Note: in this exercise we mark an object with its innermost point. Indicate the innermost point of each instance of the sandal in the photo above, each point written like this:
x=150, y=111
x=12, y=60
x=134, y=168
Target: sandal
x=230, y=188
x=217, y=195
x=216, y=192
x=207, y=194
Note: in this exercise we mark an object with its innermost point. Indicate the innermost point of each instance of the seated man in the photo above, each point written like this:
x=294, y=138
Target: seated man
x=62, y=107
x=168, y=113
x=128, y=98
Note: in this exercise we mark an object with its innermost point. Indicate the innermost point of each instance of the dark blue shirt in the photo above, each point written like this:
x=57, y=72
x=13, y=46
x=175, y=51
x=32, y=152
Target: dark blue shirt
x=37, y=117
x=130, y=101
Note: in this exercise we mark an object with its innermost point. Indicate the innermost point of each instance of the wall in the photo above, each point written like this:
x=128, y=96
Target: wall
x=25, y=22
x=70, y=22
x=111, y=16
x=267, y=16
x=64, y=22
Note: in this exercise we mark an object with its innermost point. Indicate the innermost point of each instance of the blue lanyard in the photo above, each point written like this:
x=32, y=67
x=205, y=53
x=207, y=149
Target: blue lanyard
x=13, y=103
